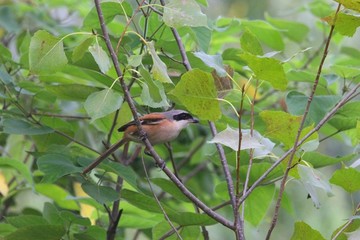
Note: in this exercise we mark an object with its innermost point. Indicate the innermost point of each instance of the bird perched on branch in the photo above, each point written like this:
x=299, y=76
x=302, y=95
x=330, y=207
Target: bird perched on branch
x=160, y=127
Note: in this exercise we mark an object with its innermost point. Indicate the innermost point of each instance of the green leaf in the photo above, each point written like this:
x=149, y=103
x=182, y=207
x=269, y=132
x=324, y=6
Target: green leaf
x=58, y=194
x=72, y=218
x=169, y=187
x=17, y=126
x=46, y=53
x=52, y=214
x=347, y=178
x=6, y=229
x=346, y=72
x=250, y=43
x=267, y=69
x=295, y=31
x=318, y=160
x=158, y=70
x=258, y=203
x=71, y=92
x=56, y=165
x=145, y=202
x=102, y=194
x=26, y=220
x=347, y=116
x=100, y=56
x=265, y=33
x=189, y=218
x=81, y=49
x=5, y=77
x=19, y=166
x=203, y=37
x=345, y=24
x=99, y=104
x=153, y=93
x=196, y=90
x=351, y=4
x=304, y=76
x=284, y=127
x=180, y=13
x=109, y=10
x=38, y=232
x=320, y=105
x=213, y=61
x=303, y=231
x=188, y=232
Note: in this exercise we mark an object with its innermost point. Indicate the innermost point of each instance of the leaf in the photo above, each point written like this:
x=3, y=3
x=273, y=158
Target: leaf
x=223, y=85
x=351, y=4
x=109, y=10
x=188, y=232
x=265, y=33
x=258, y=203
x=46, y=54
x=180, y=13
x=102, y=194
x=346, y=117
x=123, y=171
x=213, y=61
x=26, y=220
x=169, y=187
x=320, y=105
x=17, y=165
x=56, y=165
x=153, y=93
x=312, y=180
x=189, y=218
x=100, y=56
x=38, y=232
x=295, y=31
x=347, y=178
x=5, y=77
x=17, y=126
x=158, y=70
x=58, y=194
x=250, y=43
x=284, y=127
x=230, y=138
x=71, y=92
x=81, y=49
x=318, y=160
x=99, y=104
x=196, y=90
x=267, y=69
x=303, y=231
x=345, y=24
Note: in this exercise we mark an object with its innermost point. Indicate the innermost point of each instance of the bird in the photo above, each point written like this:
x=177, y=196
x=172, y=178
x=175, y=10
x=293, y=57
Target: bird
x=160, y=127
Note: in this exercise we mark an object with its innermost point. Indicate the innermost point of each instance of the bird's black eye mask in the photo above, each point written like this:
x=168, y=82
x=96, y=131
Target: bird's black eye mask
x=182, y=116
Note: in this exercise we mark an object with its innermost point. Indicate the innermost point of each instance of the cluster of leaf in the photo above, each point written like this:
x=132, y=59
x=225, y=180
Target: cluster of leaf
x=61, y=97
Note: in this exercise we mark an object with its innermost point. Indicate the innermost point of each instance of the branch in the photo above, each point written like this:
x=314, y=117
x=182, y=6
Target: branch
x=142, y=134
x=302, y=124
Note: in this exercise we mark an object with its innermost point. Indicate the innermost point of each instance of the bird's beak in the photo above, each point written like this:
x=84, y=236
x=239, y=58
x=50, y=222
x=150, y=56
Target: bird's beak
x=194, y=120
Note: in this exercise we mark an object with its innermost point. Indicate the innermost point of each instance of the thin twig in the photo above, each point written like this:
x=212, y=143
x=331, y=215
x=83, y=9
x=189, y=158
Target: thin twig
x=302, y=124
x=158, y=201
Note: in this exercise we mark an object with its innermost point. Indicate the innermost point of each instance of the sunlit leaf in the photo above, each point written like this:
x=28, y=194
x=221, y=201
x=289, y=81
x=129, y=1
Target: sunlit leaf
x=196, y=90
x=345, y=24
x=351, y=4
x=250, y=43
x=179, y=13
x=17, y=165
x=46, y=53
x=58, y=194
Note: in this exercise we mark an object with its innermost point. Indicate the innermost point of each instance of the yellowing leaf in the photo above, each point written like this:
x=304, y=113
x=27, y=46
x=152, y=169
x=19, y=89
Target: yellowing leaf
x=4, y=188
x=351, y=4
x=284, y=127
x=85, y=209
x=196, y=90
x=345, y=24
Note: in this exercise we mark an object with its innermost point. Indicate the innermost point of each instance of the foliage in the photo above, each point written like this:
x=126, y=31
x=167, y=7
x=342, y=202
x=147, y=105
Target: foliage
x=282, y=94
